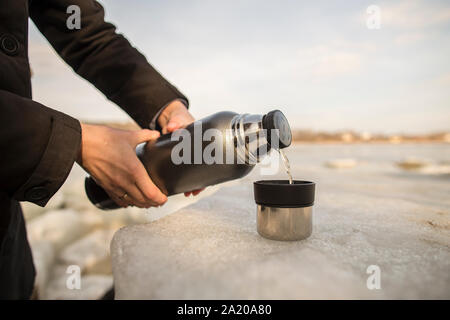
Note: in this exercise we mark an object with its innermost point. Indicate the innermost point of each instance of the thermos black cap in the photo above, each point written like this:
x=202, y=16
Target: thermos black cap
x=280, y=193
x=276, y=120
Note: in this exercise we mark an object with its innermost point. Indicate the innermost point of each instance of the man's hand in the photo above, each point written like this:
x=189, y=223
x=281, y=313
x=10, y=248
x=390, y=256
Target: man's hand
x=109, y=156
x=176, y=116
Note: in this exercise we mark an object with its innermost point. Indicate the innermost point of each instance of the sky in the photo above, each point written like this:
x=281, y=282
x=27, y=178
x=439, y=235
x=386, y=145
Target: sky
x=317, y=61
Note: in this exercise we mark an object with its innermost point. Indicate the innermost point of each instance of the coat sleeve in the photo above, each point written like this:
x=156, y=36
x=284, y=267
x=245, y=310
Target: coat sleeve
x=39, y=147
x=105, y=58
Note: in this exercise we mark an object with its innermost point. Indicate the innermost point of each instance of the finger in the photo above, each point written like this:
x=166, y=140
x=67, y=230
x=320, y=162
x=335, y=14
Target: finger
x=173, y=125
x=149, y=190
x=137, y=198
x=196, y=192
x=132, y=195
x=121, y=202
x=144, y=135
x=119, y=195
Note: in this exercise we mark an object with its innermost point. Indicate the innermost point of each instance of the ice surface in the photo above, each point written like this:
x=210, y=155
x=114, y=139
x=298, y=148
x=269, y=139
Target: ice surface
x=90, y=253
x=92, y=286
x=373, y=214
x=31, y=210
x=43, y=258
x=60, y=227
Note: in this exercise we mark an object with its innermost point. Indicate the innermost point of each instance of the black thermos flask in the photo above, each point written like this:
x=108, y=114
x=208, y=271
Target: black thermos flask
x=215, y=149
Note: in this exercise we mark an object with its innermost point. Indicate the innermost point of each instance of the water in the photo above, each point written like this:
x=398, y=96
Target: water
x=286, y=164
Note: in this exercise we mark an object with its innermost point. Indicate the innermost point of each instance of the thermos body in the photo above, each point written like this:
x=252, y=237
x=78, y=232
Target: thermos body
x=174, y=178
x=244, y=139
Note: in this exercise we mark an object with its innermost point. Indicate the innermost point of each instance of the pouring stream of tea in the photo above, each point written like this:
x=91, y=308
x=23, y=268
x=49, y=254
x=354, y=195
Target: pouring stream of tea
x=287, y=165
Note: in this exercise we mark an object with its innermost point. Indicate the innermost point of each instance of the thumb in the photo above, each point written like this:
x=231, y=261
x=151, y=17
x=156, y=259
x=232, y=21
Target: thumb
x=144, y=135
x=173, y=125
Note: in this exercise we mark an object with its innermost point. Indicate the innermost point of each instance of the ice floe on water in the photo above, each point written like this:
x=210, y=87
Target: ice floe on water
x=424, y=166
x=341, y=163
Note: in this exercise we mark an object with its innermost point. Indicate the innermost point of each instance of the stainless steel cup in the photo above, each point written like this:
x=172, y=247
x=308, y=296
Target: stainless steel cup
x=284, y=211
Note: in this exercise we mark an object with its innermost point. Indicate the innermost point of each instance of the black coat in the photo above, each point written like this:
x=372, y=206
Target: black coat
x=38, y=144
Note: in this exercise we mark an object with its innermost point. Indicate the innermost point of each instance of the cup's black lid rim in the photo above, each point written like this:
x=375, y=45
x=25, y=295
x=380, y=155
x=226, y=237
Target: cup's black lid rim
x=279, y=193
x=284, y=182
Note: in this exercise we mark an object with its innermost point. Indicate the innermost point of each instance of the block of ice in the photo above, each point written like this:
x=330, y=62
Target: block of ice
x=91, y=286
x=43, y=259
x=60, y=227
x=211, y=250
x=90, y=253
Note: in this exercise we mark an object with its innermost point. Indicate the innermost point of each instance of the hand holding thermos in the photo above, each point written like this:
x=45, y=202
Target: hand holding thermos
x=247, y=138
x=109, y=155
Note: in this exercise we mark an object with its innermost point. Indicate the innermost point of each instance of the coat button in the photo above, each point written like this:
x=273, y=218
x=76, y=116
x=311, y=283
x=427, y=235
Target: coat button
x=9, y=44
x=36, y=193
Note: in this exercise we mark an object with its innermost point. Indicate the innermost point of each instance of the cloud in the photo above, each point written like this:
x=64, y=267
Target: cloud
x=58, y=87
x=414, y=14
x=409, y=38
x=442, y=80
x=328, y=62
x=313, y=61
x=45, y=60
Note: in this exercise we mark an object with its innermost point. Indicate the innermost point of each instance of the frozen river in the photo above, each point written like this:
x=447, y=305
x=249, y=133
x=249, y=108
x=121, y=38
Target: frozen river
x=372, y=213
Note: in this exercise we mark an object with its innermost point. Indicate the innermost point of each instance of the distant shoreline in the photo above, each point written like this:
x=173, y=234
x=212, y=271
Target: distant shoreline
x=336, y=137
x=412, y=142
